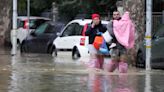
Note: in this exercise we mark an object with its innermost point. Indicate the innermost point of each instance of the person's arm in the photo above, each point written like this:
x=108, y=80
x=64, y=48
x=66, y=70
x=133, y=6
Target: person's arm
x=110, y=26
x=104, y=29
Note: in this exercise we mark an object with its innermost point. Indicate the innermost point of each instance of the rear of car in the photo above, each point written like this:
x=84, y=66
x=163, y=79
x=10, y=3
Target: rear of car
x=157, y=56
x=73, y=38
x=81, y=49
x=23, y=26
x=70, y=36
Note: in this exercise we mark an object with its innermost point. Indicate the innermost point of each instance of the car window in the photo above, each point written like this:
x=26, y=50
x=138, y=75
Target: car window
x=41, y=29
x=160, y=32
x=34, y=23
x=50, y=29
x=69, y=30
x=77, y=30
x=19, y=23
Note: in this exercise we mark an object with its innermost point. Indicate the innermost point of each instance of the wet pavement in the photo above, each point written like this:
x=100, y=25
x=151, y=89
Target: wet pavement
x=43, y=73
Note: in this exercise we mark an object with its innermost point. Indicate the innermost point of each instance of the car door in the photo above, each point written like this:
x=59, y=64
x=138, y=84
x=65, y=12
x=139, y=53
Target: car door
x=69, y=37
x=39, y=38
x=158, y=44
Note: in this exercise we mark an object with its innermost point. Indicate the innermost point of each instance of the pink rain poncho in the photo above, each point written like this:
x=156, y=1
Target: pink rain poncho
x=124, y=31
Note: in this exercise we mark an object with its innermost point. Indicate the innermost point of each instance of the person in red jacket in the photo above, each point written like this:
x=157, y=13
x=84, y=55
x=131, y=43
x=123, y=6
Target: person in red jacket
x=93, y=30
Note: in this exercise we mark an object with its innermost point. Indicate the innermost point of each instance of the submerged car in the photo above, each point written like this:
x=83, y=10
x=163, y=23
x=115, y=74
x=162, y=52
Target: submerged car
x=157, y=51
x=40, y=40
x=73, y=38
x=23, y=25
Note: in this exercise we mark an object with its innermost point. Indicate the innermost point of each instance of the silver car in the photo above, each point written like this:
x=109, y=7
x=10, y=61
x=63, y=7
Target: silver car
x=23, y=24
x=157, y=58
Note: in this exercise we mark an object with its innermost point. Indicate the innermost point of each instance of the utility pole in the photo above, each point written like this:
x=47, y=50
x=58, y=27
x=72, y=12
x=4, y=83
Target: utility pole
x=148, y=33
x=13, y=31
x=28, y=14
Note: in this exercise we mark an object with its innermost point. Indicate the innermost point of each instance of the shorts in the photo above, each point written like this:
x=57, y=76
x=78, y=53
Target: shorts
x=117, y=52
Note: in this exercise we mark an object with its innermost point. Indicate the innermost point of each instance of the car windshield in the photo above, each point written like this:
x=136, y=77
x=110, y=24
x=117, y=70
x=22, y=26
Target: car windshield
x=41, y=28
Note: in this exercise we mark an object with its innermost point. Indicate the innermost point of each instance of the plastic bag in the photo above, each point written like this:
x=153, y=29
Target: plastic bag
x=104, y=48
x=107, y=37
x=97, y=42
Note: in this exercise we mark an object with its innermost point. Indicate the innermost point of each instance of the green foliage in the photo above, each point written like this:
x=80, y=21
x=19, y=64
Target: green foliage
x=21, y=7
x=68, y=9
x=36, y=6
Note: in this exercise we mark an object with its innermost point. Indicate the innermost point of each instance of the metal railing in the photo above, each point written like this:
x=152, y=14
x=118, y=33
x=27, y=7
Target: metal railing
x=157, y=20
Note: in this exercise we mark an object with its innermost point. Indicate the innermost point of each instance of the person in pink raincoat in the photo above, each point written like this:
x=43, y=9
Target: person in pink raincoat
x=122, y=31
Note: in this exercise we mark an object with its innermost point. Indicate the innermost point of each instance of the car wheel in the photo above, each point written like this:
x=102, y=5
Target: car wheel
x=50, y=49
x=75, y=54
x=22, y=48
x=54, y=52
x=140, y=60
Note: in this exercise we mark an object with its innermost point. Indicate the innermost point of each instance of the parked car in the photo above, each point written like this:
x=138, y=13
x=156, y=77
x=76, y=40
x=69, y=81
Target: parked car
x=73, y=38
x=40, y=40
x=157, y=52
x=34, y=22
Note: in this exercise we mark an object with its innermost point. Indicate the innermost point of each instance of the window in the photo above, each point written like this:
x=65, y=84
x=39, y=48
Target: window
x=78, y=29
x=50, y=29
x=20, y=23
x=34, y=23
x=69, y=30
x=73, y=29
x=41, y=29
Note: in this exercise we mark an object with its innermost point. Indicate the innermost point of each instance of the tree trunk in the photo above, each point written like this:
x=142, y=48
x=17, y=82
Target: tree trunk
x=137, y=14
x=5, y=20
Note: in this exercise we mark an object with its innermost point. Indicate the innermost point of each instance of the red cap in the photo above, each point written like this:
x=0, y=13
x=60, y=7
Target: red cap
x=95, y=16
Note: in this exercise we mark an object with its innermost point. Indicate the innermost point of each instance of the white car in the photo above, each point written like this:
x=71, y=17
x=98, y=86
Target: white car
x=34, y=22
x=72, y=38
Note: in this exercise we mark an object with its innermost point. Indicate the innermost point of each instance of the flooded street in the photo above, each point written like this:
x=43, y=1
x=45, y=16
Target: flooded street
x=43, y=73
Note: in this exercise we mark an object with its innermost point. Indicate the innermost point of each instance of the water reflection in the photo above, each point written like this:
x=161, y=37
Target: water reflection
x=33, y=80
x=28, y=75
x=95, y=83
x=110, y=83
x=148, y=83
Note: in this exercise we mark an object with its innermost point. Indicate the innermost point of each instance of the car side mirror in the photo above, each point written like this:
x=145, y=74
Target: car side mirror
x=58, y=34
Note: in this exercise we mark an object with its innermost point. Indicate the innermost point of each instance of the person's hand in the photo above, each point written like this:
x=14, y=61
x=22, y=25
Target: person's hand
x=93, y=25
x=112, y=45
x=99, y=33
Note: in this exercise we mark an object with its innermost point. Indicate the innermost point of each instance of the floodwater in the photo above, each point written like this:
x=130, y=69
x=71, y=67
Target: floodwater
x=43, y=73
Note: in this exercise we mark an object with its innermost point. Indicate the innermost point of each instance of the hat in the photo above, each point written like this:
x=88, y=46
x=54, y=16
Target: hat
x=95, y=16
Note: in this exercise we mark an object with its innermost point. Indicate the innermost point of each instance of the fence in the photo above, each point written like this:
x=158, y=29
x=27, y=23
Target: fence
x=156, y=20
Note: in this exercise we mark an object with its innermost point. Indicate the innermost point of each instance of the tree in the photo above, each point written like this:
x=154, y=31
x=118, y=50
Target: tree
x=36, y=6
x=136, y=9
x=68, y=9
x=5, y=22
